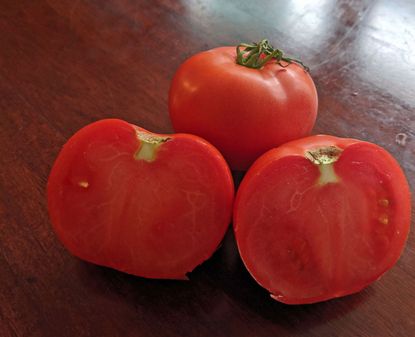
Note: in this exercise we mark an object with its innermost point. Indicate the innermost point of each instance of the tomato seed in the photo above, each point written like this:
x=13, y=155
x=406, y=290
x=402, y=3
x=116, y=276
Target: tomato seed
x=383, y=219
x=383, y=202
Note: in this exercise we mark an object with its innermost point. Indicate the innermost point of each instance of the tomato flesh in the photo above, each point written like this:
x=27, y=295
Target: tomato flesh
x=309, y=232
x=156, y=212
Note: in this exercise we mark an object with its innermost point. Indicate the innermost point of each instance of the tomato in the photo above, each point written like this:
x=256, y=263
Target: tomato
x=243, y=109
x=150, y=205
x=321, y=217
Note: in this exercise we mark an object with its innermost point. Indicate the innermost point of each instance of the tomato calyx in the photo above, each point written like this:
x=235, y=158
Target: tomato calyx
x=149, y=146
x=325, y=157
x=256, y=55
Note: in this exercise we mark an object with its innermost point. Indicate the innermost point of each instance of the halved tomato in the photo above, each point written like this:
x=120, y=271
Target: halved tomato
x=146, y=204
x=321, y=217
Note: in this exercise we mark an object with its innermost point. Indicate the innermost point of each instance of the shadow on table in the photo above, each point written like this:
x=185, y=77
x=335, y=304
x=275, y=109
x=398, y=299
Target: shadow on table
x=219, y=293
x=237, y=283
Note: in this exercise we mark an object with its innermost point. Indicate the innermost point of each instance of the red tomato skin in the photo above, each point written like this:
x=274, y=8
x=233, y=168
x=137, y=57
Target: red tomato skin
x=354, y=152
x=242, y=111
x=156, y=219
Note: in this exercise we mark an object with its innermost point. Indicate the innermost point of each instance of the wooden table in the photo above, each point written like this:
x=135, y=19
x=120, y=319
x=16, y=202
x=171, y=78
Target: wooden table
x=64, y=64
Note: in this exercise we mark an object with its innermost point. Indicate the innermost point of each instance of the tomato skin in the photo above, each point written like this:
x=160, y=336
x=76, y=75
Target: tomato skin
x=155, y=218
x=242, y=111
x=306, y=242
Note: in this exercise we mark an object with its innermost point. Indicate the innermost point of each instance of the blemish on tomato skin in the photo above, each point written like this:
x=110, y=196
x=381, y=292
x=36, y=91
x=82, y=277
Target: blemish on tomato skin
x=83, y=184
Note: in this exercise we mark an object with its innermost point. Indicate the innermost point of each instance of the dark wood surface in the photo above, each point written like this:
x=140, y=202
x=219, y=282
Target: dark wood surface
x=64, y=64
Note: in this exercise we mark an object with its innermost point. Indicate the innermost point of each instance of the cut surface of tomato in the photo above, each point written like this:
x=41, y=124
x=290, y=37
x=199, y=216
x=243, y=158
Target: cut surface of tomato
x=150, y=205
x=321, y=217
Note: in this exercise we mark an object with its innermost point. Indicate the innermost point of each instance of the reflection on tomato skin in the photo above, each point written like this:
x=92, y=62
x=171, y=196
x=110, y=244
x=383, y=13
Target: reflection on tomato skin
x=244, y=112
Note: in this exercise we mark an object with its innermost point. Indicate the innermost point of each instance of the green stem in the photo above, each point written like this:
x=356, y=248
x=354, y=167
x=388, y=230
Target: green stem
x=256, y=55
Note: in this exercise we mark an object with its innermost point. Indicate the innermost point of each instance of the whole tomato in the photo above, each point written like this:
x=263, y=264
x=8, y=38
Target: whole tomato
x=150, y=205
x=321, y=217
x=245, y=100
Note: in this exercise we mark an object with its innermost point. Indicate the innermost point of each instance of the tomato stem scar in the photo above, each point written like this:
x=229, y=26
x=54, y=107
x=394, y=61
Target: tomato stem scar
x=325, y=157
x=149, y=145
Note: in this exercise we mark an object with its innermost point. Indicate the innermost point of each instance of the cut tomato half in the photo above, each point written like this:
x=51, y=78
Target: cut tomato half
x=146, y=204
x=321, y=217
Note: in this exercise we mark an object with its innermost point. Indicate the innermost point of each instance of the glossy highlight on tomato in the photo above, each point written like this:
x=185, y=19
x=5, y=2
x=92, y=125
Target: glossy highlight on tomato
x=321, y=217
x=241, y=110
x=150, y=205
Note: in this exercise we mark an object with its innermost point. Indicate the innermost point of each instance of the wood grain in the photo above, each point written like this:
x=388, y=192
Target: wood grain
x=65, y=64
